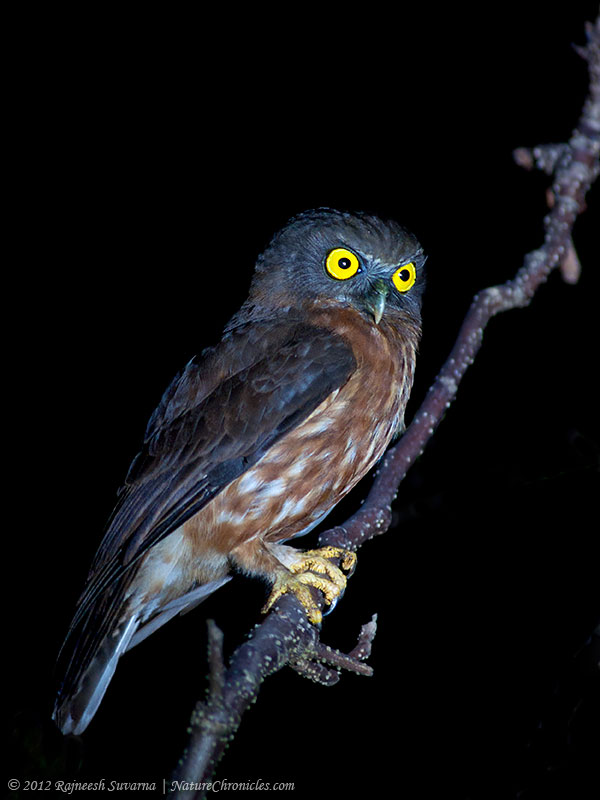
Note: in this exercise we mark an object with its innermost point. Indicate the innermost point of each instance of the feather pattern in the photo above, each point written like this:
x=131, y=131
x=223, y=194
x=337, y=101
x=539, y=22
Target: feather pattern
x=190, y=455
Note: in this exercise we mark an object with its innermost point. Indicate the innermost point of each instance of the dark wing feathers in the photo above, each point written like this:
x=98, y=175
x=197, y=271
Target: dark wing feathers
x=218, y=417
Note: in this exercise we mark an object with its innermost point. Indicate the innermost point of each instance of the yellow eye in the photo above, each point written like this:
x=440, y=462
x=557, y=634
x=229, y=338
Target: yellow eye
x=342, y=264
x=404, y=277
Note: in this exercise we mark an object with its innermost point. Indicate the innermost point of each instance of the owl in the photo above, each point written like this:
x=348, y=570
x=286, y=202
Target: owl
x=255, y=441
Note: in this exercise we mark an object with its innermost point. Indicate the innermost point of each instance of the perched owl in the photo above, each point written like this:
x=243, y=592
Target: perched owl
x=255, y=441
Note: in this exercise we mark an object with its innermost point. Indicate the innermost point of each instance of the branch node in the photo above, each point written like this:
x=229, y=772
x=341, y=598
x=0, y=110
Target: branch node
x=544, y=157
x=314, y=663
x=362, y=651
x=570, y=266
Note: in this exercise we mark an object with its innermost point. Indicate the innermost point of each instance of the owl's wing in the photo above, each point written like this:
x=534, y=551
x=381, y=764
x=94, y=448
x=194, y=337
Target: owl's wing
x=218, y=417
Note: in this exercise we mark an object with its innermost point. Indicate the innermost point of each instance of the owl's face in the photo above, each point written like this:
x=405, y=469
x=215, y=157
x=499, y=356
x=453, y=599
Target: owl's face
x=353, y=259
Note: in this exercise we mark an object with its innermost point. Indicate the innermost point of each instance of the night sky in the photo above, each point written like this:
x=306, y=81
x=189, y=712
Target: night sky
x=155, y=160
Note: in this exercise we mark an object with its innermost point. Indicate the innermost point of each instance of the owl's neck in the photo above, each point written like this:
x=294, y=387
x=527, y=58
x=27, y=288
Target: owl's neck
x=400, y=328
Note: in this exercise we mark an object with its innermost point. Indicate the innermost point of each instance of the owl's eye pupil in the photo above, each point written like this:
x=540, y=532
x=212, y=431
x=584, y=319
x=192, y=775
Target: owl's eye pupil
x=344, y=263
x=404, y=275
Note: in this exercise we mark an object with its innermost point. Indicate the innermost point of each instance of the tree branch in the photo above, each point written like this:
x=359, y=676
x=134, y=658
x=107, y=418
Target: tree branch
x=286, y=637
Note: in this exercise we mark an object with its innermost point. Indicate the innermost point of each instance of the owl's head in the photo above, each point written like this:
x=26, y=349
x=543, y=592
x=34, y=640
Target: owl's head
x=332, y=256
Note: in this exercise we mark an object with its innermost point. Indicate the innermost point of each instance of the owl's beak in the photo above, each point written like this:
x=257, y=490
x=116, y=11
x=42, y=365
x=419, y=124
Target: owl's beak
x=376, y=299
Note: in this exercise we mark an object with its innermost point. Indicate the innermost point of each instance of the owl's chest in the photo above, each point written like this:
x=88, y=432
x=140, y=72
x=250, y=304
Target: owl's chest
x=313, y=466
x=305, y=473
x=369, y=408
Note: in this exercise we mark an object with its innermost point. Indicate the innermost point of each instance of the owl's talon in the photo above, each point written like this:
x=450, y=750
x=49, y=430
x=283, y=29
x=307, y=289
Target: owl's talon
x=348, y=557
x=313, y=568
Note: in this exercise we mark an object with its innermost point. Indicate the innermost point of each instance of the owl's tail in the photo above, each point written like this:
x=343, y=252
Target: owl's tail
x=93, y=649
x=74, y=709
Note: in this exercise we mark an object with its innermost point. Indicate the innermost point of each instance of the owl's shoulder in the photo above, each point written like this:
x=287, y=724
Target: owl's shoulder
x=283, y=348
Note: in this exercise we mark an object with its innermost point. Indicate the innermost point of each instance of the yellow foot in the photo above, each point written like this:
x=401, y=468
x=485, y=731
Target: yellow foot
x=313, y=568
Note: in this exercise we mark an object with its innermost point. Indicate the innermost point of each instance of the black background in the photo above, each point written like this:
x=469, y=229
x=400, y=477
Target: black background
x=154, y=158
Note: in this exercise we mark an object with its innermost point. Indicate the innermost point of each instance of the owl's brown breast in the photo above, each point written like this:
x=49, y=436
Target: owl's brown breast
x=309, y=470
